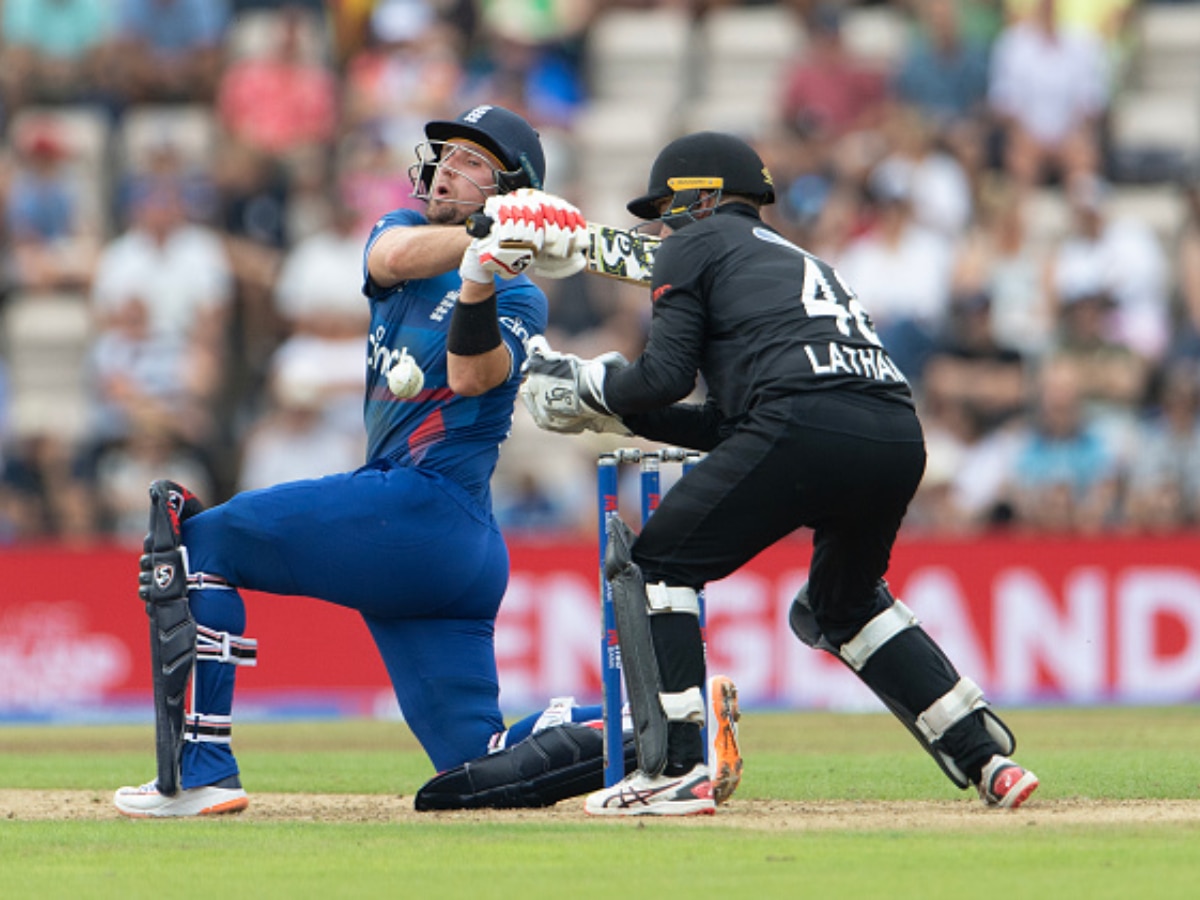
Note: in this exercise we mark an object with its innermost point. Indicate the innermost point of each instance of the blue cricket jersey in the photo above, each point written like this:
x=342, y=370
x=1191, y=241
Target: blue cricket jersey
x=456, y=436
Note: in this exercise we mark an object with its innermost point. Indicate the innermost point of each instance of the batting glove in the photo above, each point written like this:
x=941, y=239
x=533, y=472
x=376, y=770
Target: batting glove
x=485, y=257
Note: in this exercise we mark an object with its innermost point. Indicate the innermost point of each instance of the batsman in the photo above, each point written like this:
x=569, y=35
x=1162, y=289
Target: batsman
x=806, y=422
x=408, y=540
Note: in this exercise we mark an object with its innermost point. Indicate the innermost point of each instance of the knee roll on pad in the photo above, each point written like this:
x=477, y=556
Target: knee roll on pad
x=552, y=765
x=878, y=631
x=684, y=706
x=662, y=599
x=876, y=641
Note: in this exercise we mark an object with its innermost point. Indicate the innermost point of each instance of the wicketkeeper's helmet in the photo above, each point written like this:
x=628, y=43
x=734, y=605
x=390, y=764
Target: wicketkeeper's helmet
x=501, y=132
x=706, y=160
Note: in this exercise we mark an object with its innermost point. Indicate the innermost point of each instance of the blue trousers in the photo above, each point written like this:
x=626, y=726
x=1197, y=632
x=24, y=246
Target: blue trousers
x=423, y=563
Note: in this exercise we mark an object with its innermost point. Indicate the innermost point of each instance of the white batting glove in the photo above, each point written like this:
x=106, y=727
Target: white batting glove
x=518, y=217
x=485, y=257
x=566, y=229
x=564, y=252
x=556, y=267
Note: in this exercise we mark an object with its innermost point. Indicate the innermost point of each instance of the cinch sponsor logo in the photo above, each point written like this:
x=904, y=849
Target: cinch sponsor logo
x=380, y=357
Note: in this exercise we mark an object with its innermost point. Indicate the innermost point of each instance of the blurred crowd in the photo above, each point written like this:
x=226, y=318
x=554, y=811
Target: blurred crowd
x=196, y=178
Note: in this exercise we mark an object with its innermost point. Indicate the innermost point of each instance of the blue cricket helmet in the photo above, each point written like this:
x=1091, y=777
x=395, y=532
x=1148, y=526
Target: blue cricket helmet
x=505, y=135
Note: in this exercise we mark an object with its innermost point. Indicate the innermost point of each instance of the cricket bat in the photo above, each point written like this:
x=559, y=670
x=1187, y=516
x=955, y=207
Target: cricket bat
x=617, y=253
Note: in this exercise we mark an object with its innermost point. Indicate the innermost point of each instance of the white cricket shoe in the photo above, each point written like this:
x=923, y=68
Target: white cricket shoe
x=642, y=795
x=146, y=802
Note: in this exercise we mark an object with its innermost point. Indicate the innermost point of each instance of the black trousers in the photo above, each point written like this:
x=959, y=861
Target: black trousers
x=845, y=466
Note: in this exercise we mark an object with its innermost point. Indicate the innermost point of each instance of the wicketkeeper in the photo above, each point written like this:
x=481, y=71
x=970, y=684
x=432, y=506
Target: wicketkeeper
x=807, y=422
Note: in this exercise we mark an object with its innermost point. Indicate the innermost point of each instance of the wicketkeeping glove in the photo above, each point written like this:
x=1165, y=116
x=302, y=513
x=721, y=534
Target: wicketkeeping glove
x=565, y=393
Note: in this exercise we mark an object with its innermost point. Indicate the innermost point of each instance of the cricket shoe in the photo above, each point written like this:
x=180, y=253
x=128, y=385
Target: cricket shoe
x=726, y=758
x=1004, y=784
x=659, y=795
x=146, y=802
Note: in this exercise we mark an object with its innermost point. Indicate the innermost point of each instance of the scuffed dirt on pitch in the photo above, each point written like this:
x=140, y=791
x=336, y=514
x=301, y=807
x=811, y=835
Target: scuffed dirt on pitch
x=765, y=815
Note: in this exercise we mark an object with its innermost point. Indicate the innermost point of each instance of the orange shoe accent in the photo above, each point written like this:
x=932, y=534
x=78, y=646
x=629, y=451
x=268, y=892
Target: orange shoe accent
x=727, y=757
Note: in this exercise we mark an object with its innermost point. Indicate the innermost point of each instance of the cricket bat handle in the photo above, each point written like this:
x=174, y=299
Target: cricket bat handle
x=479, y=225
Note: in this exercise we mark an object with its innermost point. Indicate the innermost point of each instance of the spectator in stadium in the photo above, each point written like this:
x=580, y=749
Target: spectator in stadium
x=828, y=90
x=940, y=188
x=324, y=321
x=41, y=497
x=1048, y=90
x=1109, y=21
x=253, y=196
x=1123, y=256
x=54, y=50
x=1187, y=271
x=1114, y=378
x=409, y=70
x=973, y=394
x=150, y=448
x=535, y=52
x=969, y=378
x=284, y=99
x=943, y=73
x=179, y=267
x=1163, y=490
x=52, y=243
x=805, y=179
x=1065, y=477
x=165, y=165
x=1000, y=255
x=168, y=50
x=370, y=174
x=145, y=382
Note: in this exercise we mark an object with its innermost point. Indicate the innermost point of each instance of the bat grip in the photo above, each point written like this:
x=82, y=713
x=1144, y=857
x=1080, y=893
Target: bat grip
x=479, y=225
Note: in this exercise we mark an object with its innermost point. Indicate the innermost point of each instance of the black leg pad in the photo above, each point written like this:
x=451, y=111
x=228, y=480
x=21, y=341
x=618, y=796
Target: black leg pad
x=162, y=584
x=549, y=766
x=639, y=660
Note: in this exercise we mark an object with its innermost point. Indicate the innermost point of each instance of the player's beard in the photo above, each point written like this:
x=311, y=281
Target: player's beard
x=442, y=212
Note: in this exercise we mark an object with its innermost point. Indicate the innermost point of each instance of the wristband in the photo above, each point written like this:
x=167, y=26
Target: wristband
x=474, y=328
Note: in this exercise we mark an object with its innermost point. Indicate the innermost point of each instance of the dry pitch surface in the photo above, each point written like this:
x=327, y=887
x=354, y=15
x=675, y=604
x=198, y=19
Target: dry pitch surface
x=766, y=815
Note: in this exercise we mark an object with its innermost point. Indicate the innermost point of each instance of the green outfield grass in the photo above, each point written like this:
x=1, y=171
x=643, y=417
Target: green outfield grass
x=1082, y=756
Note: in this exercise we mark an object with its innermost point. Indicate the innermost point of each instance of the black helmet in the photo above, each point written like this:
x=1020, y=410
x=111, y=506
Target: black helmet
x=706, y=160
x=502, y=133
